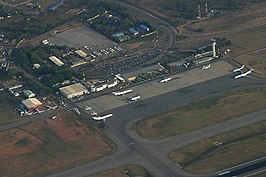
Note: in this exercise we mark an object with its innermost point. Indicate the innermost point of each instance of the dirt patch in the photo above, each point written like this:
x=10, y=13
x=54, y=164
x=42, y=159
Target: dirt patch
x=48, y=146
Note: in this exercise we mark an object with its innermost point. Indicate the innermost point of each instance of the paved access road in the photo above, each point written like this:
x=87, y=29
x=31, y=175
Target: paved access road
x=153, y=154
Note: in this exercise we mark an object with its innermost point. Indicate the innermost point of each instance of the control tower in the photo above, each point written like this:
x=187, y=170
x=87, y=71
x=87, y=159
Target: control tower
x=213, y=48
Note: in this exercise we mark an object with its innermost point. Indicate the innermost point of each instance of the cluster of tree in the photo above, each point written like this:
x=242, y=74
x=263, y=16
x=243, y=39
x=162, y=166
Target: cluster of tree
x=48, y=73
x=188, y=9
x=25, y=27
x=121, y=20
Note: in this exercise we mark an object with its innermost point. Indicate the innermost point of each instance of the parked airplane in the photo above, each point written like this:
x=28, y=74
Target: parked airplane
x=76, y=110
x=102, y=117
x=121, y=93
x=93, y=113
x=135, y=98
x=205, y=67
x=166, y=80
x=244, y=74
x=239, y=69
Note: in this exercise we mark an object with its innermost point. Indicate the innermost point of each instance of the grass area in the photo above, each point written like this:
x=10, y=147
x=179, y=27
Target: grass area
x=248, y=40
x=49, y=146
x=231, y=148
x=201, y=114
x=254, y=60
x=261, y=174
x=7, y=105
x=129, y=171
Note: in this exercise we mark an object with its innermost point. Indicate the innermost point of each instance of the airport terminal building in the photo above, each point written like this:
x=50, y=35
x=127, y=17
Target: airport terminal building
x=73, y=90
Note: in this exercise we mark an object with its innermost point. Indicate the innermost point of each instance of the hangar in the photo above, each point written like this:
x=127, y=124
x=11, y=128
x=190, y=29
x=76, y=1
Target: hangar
x=32, y=104
x=73, y=90
x=81, y=54
x=56, y=60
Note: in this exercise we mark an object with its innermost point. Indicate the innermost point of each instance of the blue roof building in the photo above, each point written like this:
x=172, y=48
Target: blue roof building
x=55, y=6
x=144, y=27
x=133, y=31
x=117, y=34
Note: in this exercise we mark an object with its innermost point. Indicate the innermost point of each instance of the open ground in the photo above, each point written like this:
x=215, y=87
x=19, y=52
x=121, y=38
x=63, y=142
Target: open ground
x=223, y=151
x=80, y=36
x=201, y=114
x=41, y=148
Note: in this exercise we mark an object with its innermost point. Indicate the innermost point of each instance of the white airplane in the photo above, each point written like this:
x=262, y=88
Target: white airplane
x=244, y=74
x=121, y=93
x=161, y=65
x=205, y=67
x=102, y=117
x=77, y=111
x=239, y=69
x=135, y=98
x=94, y=113
x=166, y=80
x=53, y=117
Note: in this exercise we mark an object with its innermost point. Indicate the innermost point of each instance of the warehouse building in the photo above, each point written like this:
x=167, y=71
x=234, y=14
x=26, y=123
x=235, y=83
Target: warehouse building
x=118, y=34
x=31, y=104
x=73, y=90
x=55, y=6
x=144, y=27
x=133, y=31
x=56, y=60
x=81, y=54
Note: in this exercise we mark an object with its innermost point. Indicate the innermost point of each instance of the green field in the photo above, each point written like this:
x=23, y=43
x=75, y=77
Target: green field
x=201, y=114
x=231, y=148
x=125, y=171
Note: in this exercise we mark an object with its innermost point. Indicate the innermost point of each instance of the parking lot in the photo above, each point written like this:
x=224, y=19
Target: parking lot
x=132, y=61
x=155, y=88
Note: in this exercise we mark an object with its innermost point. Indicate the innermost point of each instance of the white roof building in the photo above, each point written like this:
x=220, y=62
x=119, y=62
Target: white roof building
x=56, y=60
x=32, y=103
x=81, y=54
x=73, y=90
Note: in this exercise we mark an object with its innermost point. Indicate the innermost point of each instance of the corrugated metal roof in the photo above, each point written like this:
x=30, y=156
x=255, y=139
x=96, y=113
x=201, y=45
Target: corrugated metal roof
x=56, y=60
x=81, y=53
x=72, y=89
x=31, y=102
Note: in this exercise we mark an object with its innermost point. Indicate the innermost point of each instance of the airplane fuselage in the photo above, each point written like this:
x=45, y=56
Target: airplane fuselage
x=166, y=80
x=102, y=117
x=239, y=69
x=121, y=93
